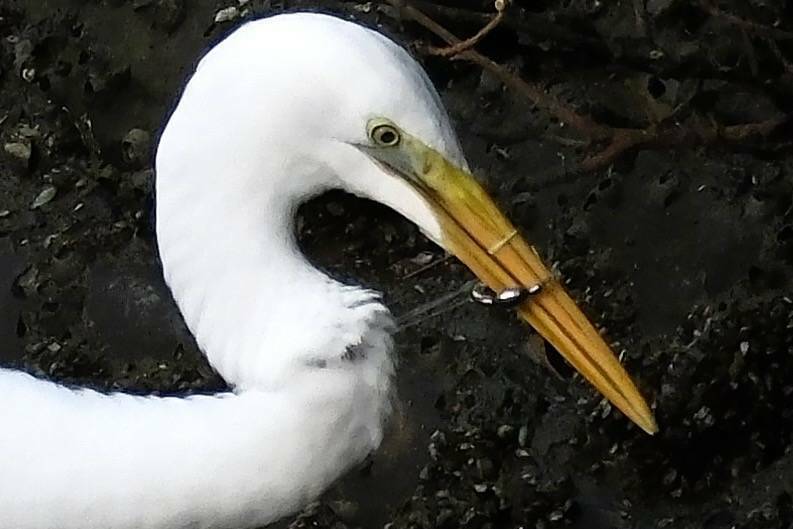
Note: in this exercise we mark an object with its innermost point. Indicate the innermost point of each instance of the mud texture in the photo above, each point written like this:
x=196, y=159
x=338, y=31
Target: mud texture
x=684, y=256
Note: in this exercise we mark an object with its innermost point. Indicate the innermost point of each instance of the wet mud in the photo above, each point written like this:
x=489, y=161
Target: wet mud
x=684, y=256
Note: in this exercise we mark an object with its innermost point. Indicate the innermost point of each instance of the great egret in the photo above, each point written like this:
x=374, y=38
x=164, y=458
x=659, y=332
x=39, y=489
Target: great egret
x=283, y=109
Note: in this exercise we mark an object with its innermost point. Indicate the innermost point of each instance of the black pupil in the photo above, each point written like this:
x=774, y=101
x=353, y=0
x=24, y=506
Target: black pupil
x=387, y=136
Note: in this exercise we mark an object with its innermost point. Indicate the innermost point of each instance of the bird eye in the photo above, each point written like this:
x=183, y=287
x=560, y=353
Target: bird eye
x=384, y=135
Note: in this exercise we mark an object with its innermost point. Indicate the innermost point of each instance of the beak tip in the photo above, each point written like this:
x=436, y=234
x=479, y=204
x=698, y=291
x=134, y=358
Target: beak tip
x=646, y=421
x=650, y=429
x=653, y=427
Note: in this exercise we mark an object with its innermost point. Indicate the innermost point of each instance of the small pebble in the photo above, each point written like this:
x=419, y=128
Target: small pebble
x=226, y=15
x=556, y=516
x=503, y=431
x=423, y=258
x=28, y=280
x=669, y=477
x=136, y=146
x=46, y=195
x=19, y=150
x=523, y=435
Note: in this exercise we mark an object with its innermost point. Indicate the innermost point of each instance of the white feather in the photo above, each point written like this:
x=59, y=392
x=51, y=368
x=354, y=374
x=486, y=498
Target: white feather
x=265, y=122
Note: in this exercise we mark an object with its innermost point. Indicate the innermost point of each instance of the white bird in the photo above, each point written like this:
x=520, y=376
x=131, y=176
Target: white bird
x=283, y=109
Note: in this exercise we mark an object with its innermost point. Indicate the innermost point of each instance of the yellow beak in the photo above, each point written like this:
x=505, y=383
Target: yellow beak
x=475, y=230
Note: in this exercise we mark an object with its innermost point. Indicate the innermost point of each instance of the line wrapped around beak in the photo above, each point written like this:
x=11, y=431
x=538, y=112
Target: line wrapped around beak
x=475, y=230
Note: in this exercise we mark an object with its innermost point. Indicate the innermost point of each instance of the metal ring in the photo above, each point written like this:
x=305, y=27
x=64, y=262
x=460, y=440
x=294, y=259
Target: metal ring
x=509, y=297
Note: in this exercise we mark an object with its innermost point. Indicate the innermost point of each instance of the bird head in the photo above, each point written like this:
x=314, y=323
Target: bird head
x=338, y=105
x=469, y=224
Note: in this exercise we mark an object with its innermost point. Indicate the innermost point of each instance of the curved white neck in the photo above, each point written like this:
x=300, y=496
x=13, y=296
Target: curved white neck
x=259, y=311
x=309, y=359
x=254, y=132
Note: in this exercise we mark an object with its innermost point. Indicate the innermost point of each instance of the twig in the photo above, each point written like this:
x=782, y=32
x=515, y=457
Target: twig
x=622, y=141
x=763, y=128
x=625, y=140
x=532, y=25
x=467, y=44
x=532, y=92
x=618, y=140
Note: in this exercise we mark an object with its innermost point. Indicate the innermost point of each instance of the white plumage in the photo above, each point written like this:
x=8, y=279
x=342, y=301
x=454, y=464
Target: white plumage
x=270, y=117
x=281, y=110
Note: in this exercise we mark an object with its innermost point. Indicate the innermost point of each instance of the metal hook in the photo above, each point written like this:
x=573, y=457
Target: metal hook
x=509, y=297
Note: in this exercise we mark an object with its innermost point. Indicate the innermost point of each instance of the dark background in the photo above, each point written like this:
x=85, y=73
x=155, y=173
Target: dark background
x=682, y=251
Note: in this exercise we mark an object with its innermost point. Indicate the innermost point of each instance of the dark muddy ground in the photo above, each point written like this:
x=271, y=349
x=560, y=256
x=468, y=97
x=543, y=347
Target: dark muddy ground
x=684, y=255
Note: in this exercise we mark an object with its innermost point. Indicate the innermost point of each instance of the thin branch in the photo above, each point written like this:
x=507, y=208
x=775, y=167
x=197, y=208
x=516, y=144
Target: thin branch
x=532, y=92
x=625, y=140
x=618, y=140
x=467, y=44
x=763, y=128
x=532, y=25
x=622, y=141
